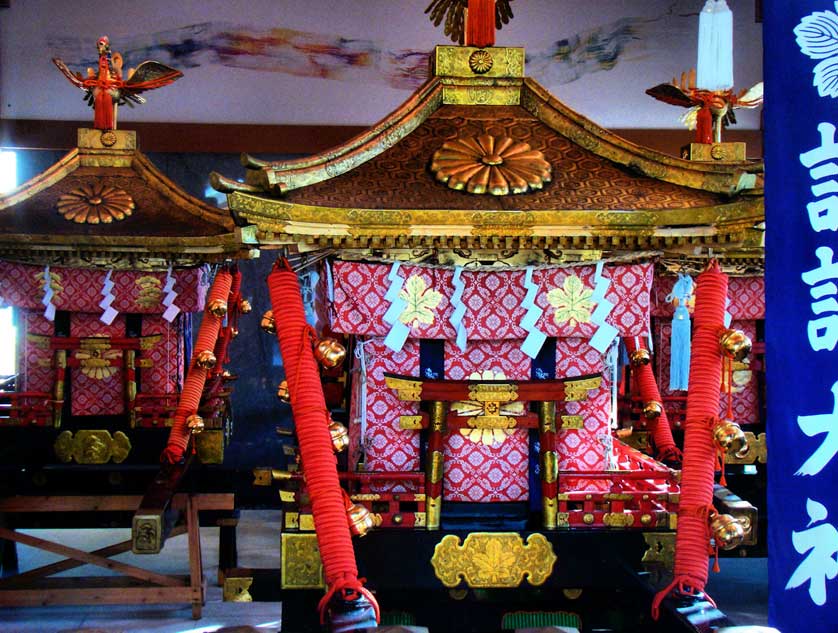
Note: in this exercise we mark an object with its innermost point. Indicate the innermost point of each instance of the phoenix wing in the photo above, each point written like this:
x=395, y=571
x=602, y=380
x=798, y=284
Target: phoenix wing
x=147, y=76
x=671, y=94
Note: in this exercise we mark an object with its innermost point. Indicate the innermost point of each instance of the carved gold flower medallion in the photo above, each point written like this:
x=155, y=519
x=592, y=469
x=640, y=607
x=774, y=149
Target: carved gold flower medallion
x=96, y=202
x=497, y=165
x=488, y=419
x=480, y=62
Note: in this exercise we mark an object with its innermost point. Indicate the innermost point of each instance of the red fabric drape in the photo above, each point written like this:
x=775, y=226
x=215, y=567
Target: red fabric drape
x=698, y=470
x=311, y=419
x=480, y=23
x=196, y=377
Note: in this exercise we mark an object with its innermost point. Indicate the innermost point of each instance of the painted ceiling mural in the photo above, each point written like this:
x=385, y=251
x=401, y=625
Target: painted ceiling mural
x=312, y=61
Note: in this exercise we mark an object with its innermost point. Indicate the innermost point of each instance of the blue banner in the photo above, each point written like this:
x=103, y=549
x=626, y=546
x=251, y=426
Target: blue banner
x=801, y=115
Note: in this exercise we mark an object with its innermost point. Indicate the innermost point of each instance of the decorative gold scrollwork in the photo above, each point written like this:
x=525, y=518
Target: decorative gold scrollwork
x=576, y=390
x=408, y=390
x=499, y=559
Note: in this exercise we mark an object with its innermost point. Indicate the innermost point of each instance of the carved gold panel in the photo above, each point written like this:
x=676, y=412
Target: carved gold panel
x=499, y=559
x=491, y=422
x=576, y=390
x=661, y=548
x=757, y=451
x=209, y=444
x=618, y=519
x=484, y=392
x=410, y=422
x=301, y=567
x=307, y=522
x=92, y=447
x=455, y=61
x=146, y=534
x=408, y=390
x=236, y=589
x=572, y=422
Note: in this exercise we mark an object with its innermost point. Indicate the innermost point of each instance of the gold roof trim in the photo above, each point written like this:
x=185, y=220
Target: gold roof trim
x=728, y=178
x=503, y=85
x=285, y=222
x=286, y=175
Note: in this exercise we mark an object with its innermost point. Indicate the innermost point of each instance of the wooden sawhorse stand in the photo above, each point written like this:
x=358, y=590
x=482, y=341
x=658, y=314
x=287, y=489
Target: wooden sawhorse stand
x=136, y=585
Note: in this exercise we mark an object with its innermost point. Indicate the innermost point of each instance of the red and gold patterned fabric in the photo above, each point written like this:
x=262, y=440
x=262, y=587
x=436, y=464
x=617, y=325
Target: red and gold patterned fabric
x=97, y=388
x=746, y=294
x=80, y=289
x=35, y=372
x=166, y=371
x=492, y=300
x=745, y=387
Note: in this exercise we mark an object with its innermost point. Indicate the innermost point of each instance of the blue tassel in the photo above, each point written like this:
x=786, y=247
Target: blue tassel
x=679, y=365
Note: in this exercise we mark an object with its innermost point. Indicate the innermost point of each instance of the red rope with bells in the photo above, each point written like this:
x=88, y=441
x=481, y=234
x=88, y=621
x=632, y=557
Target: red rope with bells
x=226, y=335
x=698, y=470
x=311, y=418
x=649, y=392
x=196, y=376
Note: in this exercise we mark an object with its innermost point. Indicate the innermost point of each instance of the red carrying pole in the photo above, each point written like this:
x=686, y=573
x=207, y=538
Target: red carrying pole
x=692, y=540
x=649, y=392
x=480, y=23
x=311, y=419
x=196, y=376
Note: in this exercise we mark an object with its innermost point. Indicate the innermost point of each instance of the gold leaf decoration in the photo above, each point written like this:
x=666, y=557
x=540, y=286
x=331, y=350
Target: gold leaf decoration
x=497, y=165
x=95, y=358
x=95, y=202
x=572, y=302
x=472, y=408
x=149, y=291
x=421, y=302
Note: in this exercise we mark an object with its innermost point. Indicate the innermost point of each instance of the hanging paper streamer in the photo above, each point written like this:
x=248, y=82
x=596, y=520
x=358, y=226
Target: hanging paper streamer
x=361, y=355
x=535, y=337
x=605, y=332
x=679, y=367
x=49, y=311
x=108, y=297
x=456, y=318
x=715, y=47
x=728, y=316
x=169, y=298
x=397, y=336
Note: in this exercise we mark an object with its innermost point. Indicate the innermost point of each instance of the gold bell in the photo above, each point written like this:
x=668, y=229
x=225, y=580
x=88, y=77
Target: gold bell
x=245, y=307
x=361, y=520
x=339, y=435
x=735, y=343
x=329, y=353
x=206, y=359
x=217, y=307
x=727, y=531
x=652, y=410
x=195, y=423
x=267, y=323
x=730, y=437
x=640, y=356
x=283, y=393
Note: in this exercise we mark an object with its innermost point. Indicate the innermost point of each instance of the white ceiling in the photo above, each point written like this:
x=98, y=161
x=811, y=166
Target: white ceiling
x=646, y=41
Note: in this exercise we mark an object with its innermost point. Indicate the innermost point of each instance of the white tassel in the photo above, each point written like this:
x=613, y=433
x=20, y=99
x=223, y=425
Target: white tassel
x=715, y=47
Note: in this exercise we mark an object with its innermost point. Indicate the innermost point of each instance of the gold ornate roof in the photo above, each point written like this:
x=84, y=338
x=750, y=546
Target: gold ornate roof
x=106, y=202
x=387, y=188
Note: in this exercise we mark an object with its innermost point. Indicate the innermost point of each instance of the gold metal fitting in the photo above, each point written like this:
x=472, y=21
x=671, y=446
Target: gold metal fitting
x=640, y=356
x=735, y=343
x=283, y=393
x=245, y=307
x=206, y=359
x=652, y=410
x=329, y=353
x=234, y=332
x=339, y=435
x=217, y=307
x=195, y=423
x=267, y=323
x=361, y=520
x=727, y=531
x=730, y=437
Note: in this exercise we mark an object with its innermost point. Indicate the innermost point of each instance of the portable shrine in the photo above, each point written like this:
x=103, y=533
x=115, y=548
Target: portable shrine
x=496, y=266
x=107, y=264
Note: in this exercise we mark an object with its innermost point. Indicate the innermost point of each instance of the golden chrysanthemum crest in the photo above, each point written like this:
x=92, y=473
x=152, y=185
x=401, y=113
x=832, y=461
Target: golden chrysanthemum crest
x=498, y=165
x=94, y=203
